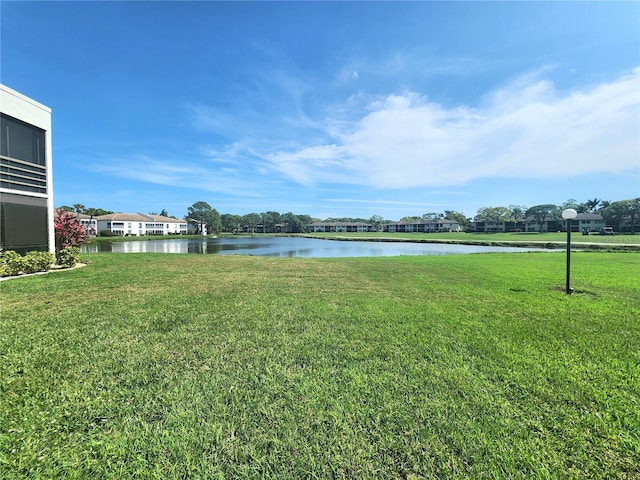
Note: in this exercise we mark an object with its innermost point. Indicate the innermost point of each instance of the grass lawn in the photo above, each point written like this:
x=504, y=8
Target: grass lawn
x=553, y=237
x=205, y=366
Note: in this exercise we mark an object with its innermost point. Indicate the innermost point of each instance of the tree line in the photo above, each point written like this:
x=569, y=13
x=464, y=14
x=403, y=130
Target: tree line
x=622, y=214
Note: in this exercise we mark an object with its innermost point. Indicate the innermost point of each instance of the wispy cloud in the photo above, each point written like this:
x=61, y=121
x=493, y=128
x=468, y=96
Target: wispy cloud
x=524, y=129
x=372, y=201
x=178, y=174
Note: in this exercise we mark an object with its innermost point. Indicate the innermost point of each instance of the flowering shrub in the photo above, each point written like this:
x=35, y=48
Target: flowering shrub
x=69, y=232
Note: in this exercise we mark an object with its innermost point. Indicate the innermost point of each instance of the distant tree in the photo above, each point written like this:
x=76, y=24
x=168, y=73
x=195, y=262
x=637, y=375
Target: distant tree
x=164, y=213
x=457, y=217
x=376, y=221
x=100, y=211
x=571, y=203
x=540, y=213
x=517, y=213
x=78, y=208
x=414, y=218
x=604, y=204
x=306, y=220
x=592, y=205
x=230, y=223
x=623, y=213
x=293, y=224
x=496, y=215
x=269, y=221
x=251, y=221
x=431, y=216
x=202, y=213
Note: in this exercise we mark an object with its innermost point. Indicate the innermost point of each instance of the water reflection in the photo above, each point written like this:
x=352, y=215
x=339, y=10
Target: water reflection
x=290, y=247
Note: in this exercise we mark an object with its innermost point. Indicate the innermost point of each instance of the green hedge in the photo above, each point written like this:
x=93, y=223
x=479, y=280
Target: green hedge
x=12, y=263
x=68, y=256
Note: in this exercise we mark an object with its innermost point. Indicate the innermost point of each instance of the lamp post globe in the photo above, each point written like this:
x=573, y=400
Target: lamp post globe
x=568, y=215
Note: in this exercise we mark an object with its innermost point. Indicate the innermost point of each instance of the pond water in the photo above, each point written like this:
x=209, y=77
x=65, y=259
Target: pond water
x=290, y=247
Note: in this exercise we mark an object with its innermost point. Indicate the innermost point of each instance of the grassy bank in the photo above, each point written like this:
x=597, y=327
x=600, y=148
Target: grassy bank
x=188, y=366
x=131, y=238
x=533, y=240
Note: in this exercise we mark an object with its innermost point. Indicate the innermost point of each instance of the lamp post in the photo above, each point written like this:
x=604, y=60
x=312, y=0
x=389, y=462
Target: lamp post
x=569, y=214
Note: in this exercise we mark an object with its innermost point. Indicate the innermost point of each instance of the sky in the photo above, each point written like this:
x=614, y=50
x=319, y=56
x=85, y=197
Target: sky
x=332, y=109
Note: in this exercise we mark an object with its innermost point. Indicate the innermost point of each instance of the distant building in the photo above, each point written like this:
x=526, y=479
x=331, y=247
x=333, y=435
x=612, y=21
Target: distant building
x=589, y=222
x=140, y=224
x=423, y=226
x=89, y=223
x=26, y=180
x=340, y=227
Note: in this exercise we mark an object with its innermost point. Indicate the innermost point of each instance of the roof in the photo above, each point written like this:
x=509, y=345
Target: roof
x=423, y=222
x=160, y=218
x=339, y=224
x=589, y=216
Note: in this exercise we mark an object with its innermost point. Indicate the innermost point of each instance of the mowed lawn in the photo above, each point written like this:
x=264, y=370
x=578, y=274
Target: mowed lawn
x=531, y=237
x=187, y=366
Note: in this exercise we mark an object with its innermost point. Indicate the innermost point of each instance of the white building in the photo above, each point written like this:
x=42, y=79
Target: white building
x=140, y=224
x=589, y=222
x=423, y=226
x=26, y=180
x=89, y=223
x=341, y=227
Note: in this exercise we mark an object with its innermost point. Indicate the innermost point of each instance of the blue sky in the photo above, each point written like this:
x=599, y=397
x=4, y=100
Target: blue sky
x=332, y=109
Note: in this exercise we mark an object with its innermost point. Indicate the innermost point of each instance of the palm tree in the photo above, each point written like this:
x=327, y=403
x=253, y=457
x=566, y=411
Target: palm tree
x=78, y=208
x=517, y=213
x=592, y=205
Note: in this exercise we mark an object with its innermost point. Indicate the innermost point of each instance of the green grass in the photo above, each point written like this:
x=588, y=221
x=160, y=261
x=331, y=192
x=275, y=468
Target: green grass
x=553, y=237
x=130, y=238
x=188, y=366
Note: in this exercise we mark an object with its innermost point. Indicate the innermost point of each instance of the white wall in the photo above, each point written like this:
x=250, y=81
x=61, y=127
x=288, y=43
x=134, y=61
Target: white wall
x=23, y=108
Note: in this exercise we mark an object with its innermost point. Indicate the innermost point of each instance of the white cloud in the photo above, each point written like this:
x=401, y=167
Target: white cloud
x=171, y=173
x=525, y=129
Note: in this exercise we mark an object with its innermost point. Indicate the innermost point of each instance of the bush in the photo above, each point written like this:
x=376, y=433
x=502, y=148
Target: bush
x=68, y=256
x=11, y=263
x=38, y=262
x=69, y=232
x=105, y=233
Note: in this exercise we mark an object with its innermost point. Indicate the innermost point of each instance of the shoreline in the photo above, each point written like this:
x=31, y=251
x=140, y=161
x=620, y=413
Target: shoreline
x=625, y=247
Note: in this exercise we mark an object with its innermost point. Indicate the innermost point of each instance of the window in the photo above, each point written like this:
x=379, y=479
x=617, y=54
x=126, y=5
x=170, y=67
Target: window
x=24, y=227
x=22, y=156
x=22, y=141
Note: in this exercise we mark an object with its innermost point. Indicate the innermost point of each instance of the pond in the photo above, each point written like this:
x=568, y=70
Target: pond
x=290, y=247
